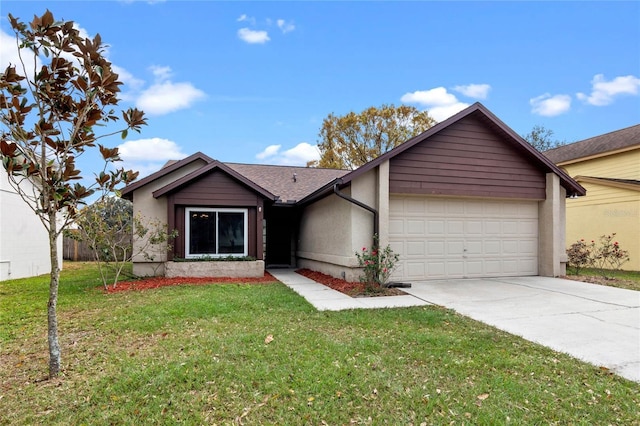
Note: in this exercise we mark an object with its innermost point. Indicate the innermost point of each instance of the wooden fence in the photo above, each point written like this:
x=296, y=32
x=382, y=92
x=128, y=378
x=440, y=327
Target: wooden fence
x=75, y=250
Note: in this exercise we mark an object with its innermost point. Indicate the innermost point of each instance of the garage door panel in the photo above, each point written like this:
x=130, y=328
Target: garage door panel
x=396, y=226
x=414, y=206
x=528, y=247
x=493, y=247
x=435, y=248
x=455, y=247
x=510, y=227
x=474, y=227
x=527, y=227
x=436, y=227
x=492, y=227
x=454, y=238
x=415, y=248
x=415, y=269
x=415, y=227
x=473, y=247
x=455, y=227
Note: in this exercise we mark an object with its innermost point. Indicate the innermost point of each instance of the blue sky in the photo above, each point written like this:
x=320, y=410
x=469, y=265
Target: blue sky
x=252, y=81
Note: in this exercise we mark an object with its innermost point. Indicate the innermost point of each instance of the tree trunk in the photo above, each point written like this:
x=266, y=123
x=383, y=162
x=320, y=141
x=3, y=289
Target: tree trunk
x=52, y=316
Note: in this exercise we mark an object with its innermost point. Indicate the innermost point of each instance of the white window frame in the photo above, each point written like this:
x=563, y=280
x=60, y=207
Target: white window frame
x=187, y=231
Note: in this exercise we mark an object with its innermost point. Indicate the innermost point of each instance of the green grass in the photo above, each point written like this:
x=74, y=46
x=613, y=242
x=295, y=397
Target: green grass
x=197, y=355
x=621, y=279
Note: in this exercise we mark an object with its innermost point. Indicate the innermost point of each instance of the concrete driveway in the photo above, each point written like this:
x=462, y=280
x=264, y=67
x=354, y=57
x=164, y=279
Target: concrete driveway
x=597, y=324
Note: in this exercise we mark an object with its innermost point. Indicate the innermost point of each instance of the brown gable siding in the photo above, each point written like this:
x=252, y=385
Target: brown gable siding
x=466, y=159
x=216, y=189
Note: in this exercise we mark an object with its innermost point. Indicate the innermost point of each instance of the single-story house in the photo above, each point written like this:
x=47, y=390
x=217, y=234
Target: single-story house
x=466, y=198
x=608, y=166
x=24, y=242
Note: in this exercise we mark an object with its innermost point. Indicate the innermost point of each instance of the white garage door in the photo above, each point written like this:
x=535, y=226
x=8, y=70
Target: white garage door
x=440, y=238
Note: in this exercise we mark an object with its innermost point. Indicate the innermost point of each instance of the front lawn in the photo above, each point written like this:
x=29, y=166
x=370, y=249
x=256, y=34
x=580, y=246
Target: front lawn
x=621, y=279
x=260, y=354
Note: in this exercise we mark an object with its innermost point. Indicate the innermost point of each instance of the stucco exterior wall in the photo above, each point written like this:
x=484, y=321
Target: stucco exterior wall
x=606, y=209
x=24, y=242
x=152, y=210
x=551, y=229
x=333, y=229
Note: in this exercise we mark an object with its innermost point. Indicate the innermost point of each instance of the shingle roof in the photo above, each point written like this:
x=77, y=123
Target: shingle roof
x=279, y=180
x=613, y=141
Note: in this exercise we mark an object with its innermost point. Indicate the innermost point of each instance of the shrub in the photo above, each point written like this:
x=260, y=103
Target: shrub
x=606, y=256
x=609, y=257
x=579, y=256
x=377, y=264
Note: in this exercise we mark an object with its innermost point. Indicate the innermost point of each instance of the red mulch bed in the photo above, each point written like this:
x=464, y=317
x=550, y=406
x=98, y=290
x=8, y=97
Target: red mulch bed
x=157, y=282
x=342, y=286
x=349, y=288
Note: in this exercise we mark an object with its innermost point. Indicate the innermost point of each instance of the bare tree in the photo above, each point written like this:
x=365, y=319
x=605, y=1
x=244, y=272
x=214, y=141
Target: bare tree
x=542, y=138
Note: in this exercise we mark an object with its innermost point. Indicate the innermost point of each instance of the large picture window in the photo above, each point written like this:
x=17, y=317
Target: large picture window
x=215, y=232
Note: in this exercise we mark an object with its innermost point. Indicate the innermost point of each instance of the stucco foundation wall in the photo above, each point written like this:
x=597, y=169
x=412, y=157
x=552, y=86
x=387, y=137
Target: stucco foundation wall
x=239, y=269
x=148, y=269
x=337, y=271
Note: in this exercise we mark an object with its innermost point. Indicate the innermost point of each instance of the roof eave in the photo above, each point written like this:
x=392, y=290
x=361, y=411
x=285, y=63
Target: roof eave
x=173, y=186
x=127, y=191
x=568, y=183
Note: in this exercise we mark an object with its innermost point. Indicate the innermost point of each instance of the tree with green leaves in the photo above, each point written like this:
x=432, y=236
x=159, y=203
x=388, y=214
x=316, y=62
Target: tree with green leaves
x=542, y=138
x=48, y=112
x=351, y=140
x=108, y=227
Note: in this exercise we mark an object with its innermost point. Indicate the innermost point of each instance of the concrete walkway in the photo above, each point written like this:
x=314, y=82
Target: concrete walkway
x=324, y=298
x=597, y=324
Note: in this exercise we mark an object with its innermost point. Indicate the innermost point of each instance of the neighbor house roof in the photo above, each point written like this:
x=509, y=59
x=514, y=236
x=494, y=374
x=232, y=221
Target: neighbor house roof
x=631, y=184
x=619, y=140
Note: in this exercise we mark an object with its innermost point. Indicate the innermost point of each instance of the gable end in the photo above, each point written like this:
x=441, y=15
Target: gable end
x=467, y=158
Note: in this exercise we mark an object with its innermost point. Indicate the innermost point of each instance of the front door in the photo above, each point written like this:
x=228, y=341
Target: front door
x=281, y=223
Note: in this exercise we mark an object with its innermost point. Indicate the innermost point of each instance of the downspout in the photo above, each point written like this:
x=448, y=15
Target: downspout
x=359, y=204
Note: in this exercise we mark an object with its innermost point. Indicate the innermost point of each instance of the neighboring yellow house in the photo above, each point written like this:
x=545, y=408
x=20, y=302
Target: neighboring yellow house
x=608, y=167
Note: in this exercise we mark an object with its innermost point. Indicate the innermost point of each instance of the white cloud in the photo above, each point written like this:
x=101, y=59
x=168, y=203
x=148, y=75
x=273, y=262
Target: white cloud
x=285, y=27
x=299, y=155
x=149, y=155
x=9, y=54
x=164, y=96
x=245, y=18
x=269, y=151
x=439, y=103
x=550, y=106
x=161, y=73
x=476, y=91
x=603, y=91
x=252, y=36
x=432, y=97
x=441, y=113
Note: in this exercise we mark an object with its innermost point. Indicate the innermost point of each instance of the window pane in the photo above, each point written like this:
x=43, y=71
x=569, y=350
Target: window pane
x=230, y=233
x=202, y=232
